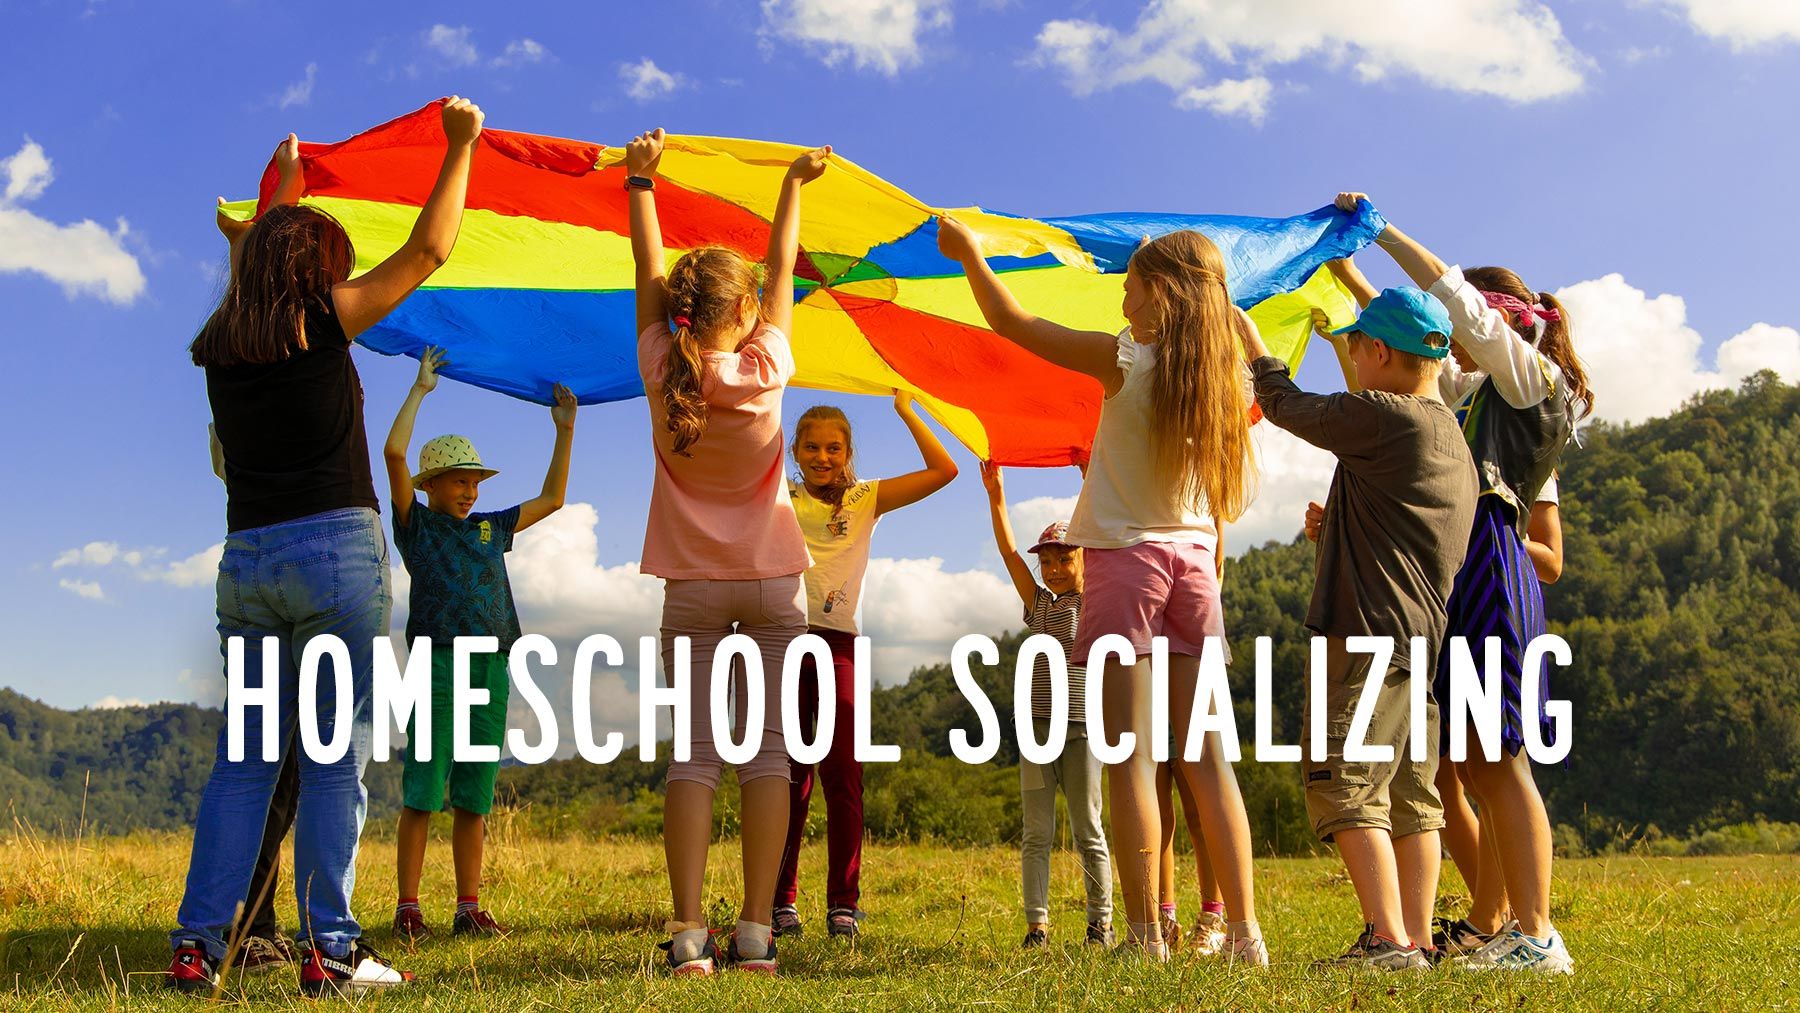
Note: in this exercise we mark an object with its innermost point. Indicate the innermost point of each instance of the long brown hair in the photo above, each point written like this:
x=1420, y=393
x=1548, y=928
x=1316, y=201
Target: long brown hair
x=287, y=264
x=1558, y=342
x=707, y=288
x=1201, y=426
x=824, y=414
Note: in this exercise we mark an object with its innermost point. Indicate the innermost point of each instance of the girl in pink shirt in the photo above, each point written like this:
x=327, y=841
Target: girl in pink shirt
x=721, y=532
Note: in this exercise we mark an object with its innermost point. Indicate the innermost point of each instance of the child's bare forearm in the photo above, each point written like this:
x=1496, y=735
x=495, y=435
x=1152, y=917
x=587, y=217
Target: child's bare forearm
x=556, y=479
x=400, y=434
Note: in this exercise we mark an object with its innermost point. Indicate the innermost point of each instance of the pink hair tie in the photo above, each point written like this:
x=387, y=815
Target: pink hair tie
x=684, y=322
x=1529, y=313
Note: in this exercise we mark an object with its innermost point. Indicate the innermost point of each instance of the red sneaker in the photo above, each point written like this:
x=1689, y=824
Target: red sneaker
x=409, y=925
x=192, y=970
x=360, y=971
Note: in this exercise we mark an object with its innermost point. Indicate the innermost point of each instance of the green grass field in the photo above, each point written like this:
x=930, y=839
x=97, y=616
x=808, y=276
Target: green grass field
x=84, y=927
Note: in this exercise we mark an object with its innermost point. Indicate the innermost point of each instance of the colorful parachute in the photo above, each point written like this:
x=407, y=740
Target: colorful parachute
x=540, y=288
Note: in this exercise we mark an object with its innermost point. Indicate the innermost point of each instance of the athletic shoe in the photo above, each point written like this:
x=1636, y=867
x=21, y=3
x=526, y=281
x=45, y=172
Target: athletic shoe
x=1035, y=939
x=1456, y=936
x=1208, y=937
x=361, y=970
x=756, y=965
x=264, y=953
x=787, y=921
x=844, y=922
x=409, y=925
x=1372, y=952
x=1099, y=934
x=192, y=970
x=476, y=922
x=1512, y=950
x=1142, y=951
x=1170, y=929
x=1245, y=950
x=699, y=967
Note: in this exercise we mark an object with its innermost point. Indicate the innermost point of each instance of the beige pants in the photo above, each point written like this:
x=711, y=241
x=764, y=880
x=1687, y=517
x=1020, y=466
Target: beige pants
x=771, y=612
x=1400, y=797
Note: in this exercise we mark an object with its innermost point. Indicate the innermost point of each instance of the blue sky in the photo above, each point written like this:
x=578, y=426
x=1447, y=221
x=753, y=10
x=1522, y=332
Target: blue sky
x=1635, y=155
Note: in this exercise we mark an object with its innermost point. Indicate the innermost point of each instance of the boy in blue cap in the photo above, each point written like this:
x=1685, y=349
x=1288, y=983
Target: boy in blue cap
x=1394, y=533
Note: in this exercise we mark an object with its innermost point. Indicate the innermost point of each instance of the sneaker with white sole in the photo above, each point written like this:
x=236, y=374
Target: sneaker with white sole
x=1373, y=952
x=192, y=970
x=361, y=970
x=736, y=961
x=1513, y=950
x=787, y=921
x=1142, y=951
x=701, y=965
x=1208, y=937
x=1249, y=950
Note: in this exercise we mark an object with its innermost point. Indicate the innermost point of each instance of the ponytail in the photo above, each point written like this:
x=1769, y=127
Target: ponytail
x=706, y=288
x=1558, y=344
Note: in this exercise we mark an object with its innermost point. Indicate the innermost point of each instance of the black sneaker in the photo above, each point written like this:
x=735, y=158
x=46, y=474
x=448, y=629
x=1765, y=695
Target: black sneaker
x=264, y=953
x=1035, y=939
x=1099, y=934
x=700, y=966
x=787, y=921
x=361, y=970
x=1379, y=953
x=476, y=922
x=844, y=922
x=192, y=970
x=736, y=961
x=1456, y=936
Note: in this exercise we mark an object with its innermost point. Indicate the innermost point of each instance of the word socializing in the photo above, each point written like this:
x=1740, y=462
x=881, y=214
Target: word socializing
x=400, y=692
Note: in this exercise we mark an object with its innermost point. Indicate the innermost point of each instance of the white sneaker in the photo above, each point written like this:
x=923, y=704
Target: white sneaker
x=1245, y=950
x=1209, y=933
x=1512, y=950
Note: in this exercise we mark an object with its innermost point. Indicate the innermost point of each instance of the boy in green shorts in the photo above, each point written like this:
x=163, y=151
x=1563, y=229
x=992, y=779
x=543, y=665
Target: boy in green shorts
x=1395, y=529
x=457, y=563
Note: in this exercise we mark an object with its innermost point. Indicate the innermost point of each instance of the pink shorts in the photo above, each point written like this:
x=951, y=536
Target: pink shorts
x=1151, y=589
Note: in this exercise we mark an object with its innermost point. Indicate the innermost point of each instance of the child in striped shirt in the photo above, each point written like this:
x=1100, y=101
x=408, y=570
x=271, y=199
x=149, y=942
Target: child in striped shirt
x=1054, y=607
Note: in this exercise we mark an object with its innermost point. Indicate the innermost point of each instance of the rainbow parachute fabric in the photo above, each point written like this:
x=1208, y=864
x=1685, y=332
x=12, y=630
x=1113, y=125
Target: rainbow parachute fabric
x=540, y=288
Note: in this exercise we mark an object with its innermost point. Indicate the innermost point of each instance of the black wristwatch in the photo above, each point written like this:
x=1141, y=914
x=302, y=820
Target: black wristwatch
x=639, y=183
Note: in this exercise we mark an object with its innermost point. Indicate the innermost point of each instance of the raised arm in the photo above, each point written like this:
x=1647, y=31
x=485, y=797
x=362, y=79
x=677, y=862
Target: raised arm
x=289, y=188
x=1022, y=579
x=1340, y=345
x=362, y=302
x=1094, y=353
x=1420, y=264
x=1354, y=281
x=784, y=239
x=939, y=470
x=400, y=487
x=642, y=157
x=556, y=480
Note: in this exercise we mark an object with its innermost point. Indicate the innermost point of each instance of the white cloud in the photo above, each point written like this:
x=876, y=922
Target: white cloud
x=28, y=172
x=519, y=52
x=88, y=589
x=206, y=690
x=879, y=35
x=1511, y=49
x=110, y=702
x=84, y=257
x=452, y=44
x=300, y=92
x=914, y=610
x=146, y=564
x=1642, y=358
x=1031, y=516
x=1290, y=472
x=199, y=569
x=645, y=81
x=1743, y=23
x=1248, y=98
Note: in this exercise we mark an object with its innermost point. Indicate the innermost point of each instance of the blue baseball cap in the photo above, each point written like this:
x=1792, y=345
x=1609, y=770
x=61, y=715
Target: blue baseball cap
x=1401, y=318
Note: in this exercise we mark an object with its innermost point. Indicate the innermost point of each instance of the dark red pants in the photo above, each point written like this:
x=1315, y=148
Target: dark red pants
x=842, y=776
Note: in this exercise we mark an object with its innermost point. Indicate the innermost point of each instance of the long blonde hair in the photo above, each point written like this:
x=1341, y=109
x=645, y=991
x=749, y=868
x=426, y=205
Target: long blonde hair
x=707, y=288
x=1201, y=425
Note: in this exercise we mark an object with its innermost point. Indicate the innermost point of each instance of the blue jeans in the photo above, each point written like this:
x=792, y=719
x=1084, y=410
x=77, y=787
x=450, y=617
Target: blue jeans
x=327, y=573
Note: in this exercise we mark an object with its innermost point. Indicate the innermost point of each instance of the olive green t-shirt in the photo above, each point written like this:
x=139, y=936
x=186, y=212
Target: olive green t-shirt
x=1399, y=513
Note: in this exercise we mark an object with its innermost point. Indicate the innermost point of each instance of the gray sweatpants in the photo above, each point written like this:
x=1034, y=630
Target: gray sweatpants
x=1078, y=772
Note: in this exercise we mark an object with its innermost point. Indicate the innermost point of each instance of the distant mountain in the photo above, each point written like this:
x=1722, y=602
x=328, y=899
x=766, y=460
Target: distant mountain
x=1680, y=597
